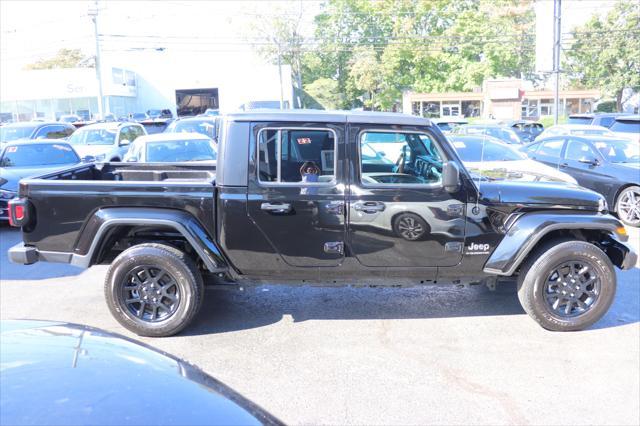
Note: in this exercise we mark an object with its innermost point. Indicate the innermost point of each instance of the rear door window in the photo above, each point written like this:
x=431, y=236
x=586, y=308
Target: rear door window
x=289, y=155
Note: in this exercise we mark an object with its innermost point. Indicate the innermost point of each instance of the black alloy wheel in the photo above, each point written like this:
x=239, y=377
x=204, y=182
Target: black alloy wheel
x=572, y=288
x=150, y=293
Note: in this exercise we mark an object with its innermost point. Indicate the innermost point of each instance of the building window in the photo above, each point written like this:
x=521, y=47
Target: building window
x=130, y=78
x=546, y=107
x=450, y=109
x=470, y=108
x=431, y=109
x=415, y=108
x=117, y=75
x=529, y=108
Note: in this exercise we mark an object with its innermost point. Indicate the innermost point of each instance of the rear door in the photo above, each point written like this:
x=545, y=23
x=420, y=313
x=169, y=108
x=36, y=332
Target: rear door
x=295, y=192
x=399, y=213
x=587, y=166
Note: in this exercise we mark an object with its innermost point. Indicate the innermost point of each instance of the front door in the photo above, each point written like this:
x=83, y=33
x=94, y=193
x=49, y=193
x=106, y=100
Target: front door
x=586, y=166
x=399, y=213
x=294, y=197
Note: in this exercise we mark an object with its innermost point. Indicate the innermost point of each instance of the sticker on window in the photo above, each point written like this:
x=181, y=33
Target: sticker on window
x=304, y=141
x=12, y=149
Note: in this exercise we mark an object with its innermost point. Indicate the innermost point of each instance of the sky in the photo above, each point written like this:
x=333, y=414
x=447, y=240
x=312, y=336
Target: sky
x=32, y=30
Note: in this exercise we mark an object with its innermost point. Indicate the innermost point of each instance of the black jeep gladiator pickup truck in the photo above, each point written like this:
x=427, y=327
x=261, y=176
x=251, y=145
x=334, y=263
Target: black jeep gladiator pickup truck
x=329, y=198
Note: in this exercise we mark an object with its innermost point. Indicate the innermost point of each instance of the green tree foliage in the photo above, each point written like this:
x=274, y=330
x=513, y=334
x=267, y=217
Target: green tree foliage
x=605, y=53
x=374, y=50
x=65, y=58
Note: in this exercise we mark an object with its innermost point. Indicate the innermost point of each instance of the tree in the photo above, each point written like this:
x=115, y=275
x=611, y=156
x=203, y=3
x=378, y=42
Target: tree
x=605, y=53
x=65, y=58
x=325, y=92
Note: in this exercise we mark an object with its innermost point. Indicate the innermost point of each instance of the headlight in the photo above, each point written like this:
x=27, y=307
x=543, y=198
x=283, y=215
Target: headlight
x=7, y=195
x=602, y=205
x=101, y=157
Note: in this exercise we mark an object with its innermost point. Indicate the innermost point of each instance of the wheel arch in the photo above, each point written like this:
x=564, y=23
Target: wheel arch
x=107, y=226
x=535, y=229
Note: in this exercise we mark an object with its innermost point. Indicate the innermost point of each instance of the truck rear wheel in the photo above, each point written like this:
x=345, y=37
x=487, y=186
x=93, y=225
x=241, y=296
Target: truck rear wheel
x=153, y=290
x=567, y=285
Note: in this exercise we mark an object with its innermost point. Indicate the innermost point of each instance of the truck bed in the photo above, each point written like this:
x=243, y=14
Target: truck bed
x=63, y=202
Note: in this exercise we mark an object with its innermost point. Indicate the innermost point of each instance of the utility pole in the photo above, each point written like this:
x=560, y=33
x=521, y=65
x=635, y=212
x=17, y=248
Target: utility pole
x=557, y=39
x=280, y=77
x=94, y=16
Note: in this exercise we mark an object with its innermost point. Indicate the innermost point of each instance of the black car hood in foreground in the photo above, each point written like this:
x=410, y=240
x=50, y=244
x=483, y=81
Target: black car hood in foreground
x=58, y=373
x=12, y=175
x=554, y=195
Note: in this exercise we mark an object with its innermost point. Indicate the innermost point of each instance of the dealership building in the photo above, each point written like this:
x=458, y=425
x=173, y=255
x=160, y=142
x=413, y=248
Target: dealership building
x=504, y=99
x=143, y=82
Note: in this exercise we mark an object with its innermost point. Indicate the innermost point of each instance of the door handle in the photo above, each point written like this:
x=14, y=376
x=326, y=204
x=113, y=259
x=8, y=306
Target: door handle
x=369, y=207
x=564, y=165
x=276, y=207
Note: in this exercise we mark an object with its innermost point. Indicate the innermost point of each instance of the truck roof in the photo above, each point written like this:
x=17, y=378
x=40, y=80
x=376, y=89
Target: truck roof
x=322, y=116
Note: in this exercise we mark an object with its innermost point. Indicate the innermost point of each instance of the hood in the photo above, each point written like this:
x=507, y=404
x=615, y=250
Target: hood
x=94, y=150
x=10, y=176
x=81, y=375
x=521, y=170
x=552, y=195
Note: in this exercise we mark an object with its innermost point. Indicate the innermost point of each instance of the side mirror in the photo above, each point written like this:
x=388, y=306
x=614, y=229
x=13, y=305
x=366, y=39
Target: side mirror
x=88, y=159
x=451, y=176
x=125, y=142
x=589, y=161
x=132, y=160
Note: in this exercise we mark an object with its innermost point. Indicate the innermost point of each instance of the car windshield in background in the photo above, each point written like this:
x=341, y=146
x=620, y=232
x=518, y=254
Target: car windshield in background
x=36, y=154
x=204, y=127
x=619, y=151
x=579, y=120
x=472, y=151
x=139, y=116
x=504, y=134
x=590, y=132
x=628, y=126
x=93, y=137
x=10, y=133
x=189, y=150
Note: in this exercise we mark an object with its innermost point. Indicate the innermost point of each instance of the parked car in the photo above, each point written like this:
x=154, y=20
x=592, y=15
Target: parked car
x=20, y=159
x=105, y=141
x=488, y=157
x=159, y=113
x=504, y=133
x=138, y=116
x=604, y=119
x=69, y=118
x=172, y=147
x=110, y=117
x=276, y=208
x=35, y=130
x=207, y=126
x=526, y=130
x=575, y=129
x=447, y=124
x=56, y=372
x=608, y=166
x=627, y=127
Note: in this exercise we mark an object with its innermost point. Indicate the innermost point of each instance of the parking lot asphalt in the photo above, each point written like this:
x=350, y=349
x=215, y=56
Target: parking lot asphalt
x=430, y=355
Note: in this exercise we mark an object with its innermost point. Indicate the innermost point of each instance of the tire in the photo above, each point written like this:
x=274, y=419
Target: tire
x=595, y=289
x=410, y=226
x=628, y=206
x=164, y=284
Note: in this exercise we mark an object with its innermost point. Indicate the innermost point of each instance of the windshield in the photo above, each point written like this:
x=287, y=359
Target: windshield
x=579, y=120
x=506, y=135
x=189, y=150
x=154, y=112
x=139, y=116
x=37, y=154
x=626, y=127
x=472, y=151
x=204, y=127
x=93, y=137
x=8, y=133
x=619, y=151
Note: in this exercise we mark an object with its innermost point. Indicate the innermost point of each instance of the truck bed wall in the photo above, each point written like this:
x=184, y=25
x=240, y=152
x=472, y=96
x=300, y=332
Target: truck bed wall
x=63, y=201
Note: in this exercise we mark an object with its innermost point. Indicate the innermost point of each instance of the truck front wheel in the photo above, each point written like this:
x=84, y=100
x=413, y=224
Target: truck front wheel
x=567, y=286
x=153, y=290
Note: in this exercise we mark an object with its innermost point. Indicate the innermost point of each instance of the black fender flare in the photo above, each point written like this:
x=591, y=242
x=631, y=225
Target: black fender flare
x=97, y=228
x=530, y=228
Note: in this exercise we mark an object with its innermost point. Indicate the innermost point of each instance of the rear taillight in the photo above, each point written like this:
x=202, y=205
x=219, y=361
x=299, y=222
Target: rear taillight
x=18, y=212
